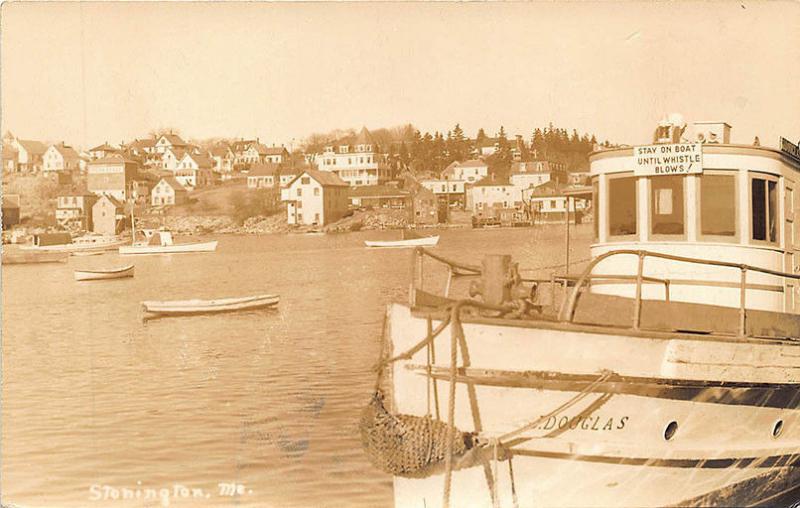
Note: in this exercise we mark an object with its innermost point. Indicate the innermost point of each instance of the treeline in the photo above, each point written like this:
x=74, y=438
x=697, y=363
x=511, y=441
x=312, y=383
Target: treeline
x=409, y=149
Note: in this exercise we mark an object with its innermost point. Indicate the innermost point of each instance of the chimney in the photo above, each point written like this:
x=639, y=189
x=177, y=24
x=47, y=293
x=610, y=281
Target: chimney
x=712, y=132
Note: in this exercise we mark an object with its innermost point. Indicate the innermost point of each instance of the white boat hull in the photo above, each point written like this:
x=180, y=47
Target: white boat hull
x=429, y=241
x=169, y=249
x=118, y=273
x=76, y=247
x=182, y=307
x=609, y=448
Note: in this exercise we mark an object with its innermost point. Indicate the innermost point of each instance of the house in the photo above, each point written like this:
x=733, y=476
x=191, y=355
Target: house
x=492, y=195
x=102, y=151
x=356, y=160
x=488, y=146
x=578, y=178
x=549, y=202
x=61, y=158
x=171, y=158
x=287, y=175
x=74, y=209
x=10, y=210
x=470, y=171
x=108, y=215
x=10, y=156
x=168, y=191
x=194, y=171
x=379, y=196
x=424, y=207
x=315, y=198
x=169, y=140
x=275, y=155
x=112, y=175
x=264, y=176
x=526, y=175
x=142, y=147
x=448, y=191
x=29, y=154
x=140, y=190
x=223, y=159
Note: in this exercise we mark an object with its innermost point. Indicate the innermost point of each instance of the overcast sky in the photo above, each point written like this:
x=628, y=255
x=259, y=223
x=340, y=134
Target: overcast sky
x=90, y=72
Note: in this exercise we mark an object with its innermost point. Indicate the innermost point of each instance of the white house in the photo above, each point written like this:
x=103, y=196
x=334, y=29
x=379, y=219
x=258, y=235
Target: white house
x=287, y=175
x=315, y=198
x=356, y=160
x=223, y=158
x=101, y=151
x=264, y=176
x=442, y=187
x=29, y=154
x=168, y=191
x=74, y=208
x=61, y=158
x=490, y=194
x=194, y=171
x=470, y=171
x=166, y=141
x=275, y=155
x=171, y=158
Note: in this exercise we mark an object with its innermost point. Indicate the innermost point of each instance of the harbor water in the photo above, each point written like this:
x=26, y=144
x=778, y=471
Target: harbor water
x=259, y=408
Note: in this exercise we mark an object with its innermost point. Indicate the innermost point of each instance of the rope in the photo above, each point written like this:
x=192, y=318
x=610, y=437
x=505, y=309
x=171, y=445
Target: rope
x=560, y=265
x=451, y=407
x=382, y=345
x=513, y=484
x=417, y=347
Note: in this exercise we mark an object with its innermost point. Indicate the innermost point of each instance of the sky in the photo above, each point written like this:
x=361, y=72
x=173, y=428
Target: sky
x=86, y=73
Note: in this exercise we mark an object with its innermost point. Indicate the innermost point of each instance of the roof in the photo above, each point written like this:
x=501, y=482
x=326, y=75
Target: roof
x=9, y=152
x=325, y=178
x=104, y=147
x=364, y=138
x=275, y=150
x=178, y=152
x=450, y=170
x=202, y=160
x=114, y=201
x=492, y=181
x=376, y=191
x=550, y=188
x=34, y=147
x=241, y=145
x=67, y=151
x=143, y=143
x=174, y=183
x=76, y=192
x=173, y=139
x=221, y=150
x=263, y=169
x=472, y=164
x=114, y=158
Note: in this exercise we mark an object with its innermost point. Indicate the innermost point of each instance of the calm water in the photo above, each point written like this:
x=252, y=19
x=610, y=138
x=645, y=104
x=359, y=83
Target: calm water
x=95, y=401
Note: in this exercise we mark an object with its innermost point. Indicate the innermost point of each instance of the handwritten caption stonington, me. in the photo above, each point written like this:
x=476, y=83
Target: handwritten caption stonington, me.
x=165, y=495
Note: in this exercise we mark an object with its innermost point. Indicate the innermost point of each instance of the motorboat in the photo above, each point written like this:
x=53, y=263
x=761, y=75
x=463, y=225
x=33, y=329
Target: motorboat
x=161, y=242
x=86, y=243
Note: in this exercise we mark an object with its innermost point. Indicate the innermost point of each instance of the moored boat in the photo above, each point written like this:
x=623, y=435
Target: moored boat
x=111, y=273
x=667, y=373
x=161, y=242
x=185, y=307
x=87, y=243
x=410, y=239
x=20, y=257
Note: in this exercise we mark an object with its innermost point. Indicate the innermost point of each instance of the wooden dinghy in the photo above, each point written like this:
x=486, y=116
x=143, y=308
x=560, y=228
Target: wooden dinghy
x=113, y=273
x=410, y=239
x=81, y=254
x=184, y=307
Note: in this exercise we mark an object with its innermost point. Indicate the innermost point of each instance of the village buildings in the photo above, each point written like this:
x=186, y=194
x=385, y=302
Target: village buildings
x=168, y=191
x=102, y=151
x=61, y=158
x=379, y=196
x=315, y=198
x=264, y=176
x=112, y=176
x=29, y=154
x=169, y=140
x=223, y=159
x=356, y=160
x=74, y=209
x=108, y=215
x=194, y=170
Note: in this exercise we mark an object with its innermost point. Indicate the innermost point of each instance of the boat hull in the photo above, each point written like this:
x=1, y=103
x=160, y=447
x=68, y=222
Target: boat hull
x=187, y=307
x=29, y=257
x=71, y=247
x=600, y=420
x=429, y=241
x=168, y=249
x=119, y=273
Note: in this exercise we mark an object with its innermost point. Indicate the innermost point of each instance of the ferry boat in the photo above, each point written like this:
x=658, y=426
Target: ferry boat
x=667, y=373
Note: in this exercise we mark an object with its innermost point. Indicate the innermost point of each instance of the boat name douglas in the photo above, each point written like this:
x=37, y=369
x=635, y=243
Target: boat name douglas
x=590, y=422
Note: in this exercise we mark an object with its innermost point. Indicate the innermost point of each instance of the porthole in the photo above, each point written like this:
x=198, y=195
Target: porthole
x=670, y=430
x=777, y=428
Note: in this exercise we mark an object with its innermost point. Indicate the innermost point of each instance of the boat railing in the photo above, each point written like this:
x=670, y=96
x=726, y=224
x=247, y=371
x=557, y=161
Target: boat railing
x=568, y=310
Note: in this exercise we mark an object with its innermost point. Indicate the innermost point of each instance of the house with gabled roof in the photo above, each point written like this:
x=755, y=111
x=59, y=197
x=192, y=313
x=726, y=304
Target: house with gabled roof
x=275, y=154
x=168, y=191
x=355, y=159
x=169, y=140
x=10, y=156
x=171, y=158
x=194, y=170
x=108, y=215
x=223, y=158
x=315, y=198
x=263, y=176
x=29, y=154
x=103, y=150
x=61, y=157
x=74, y=209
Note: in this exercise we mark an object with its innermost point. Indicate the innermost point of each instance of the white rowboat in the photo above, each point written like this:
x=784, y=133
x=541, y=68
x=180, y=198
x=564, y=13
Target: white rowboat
x=113, y=273
x=428, y=241
x=182, y=307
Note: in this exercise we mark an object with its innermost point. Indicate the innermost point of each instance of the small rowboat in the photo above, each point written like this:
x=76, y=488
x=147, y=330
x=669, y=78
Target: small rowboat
x=88, y=253
x=113, y=273
x=183, y=307
x=428, y=241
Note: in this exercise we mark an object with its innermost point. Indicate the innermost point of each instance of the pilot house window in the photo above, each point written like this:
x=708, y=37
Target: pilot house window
x=764, y=206
x=667, y=205
x=622, y=206
x=718, y=205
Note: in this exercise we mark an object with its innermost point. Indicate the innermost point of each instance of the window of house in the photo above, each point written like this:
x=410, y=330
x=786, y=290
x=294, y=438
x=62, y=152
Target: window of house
x=299, y=192
x=305, y=181
x=299, y=217
x=718, y=205
x=666, y=205
x=553, y=204
x=316, y=218
x=764, y=208
x=622, y=206
x=299, y=204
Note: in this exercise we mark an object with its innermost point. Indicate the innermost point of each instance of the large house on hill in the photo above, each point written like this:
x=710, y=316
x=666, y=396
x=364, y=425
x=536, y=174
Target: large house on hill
x=357, y=160
x=61, y=158
x=166, y=141
x=29, y=154
x=315, y=198
x=112, y=176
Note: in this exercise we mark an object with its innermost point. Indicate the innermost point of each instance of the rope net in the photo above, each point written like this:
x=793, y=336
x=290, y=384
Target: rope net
x=407, y=445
